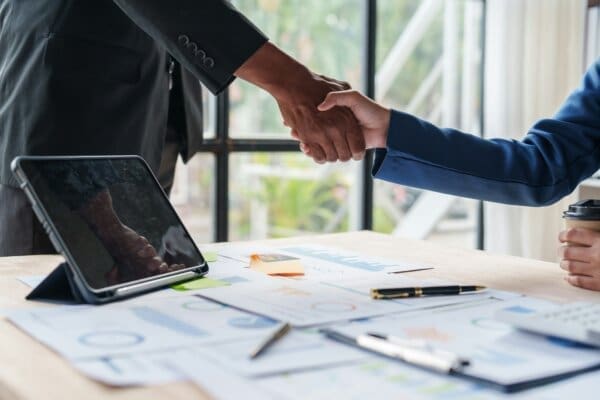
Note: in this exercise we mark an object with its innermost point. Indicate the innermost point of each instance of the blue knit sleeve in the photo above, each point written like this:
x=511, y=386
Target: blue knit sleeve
x=547, y=164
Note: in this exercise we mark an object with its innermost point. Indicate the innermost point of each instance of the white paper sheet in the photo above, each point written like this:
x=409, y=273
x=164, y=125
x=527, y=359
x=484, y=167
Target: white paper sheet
x=327, y=260
x=300, y=303
x=31, y=280
x=234, y=271
x=324, y=263
x=299, y=350
x=388, y=379
x=214, y=379
x=497, y=352
x=167, y=335
x=373, y=378
x=307, y=303
x=128, y=370
x=90, y=332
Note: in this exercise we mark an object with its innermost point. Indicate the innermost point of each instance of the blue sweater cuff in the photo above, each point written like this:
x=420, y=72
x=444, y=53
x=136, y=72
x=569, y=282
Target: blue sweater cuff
x=406, y=134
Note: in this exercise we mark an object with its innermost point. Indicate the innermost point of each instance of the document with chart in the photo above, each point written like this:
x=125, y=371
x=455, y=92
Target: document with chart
x=328, y=263
x=307, y=303
x=496, y=351
x=161, y=324
x=216, y=322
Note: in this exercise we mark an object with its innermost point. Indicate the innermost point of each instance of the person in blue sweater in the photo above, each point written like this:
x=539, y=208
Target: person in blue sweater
x=547, y=164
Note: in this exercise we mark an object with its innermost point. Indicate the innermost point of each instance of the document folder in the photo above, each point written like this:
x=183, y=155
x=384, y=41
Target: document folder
x=506, y=388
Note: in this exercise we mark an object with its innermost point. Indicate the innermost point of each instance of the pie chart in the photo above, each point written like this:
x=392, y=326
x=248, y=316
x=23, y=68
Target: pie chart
x=111, y=339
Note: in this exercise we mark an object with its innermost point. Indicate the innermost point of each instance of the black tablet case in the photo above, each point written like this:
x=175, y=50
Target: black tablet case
x=57, y=287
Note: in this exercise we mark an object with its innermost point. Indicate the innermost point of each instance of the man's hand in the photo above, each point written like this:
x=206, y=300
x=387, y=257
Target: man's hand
x=580, y=256
x=332, y=135
x=372, y=118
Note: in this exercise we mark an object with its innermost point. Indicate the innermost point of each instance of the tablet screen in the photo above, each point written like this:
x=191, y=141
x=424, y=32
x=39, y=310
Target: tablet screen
x=112, y=217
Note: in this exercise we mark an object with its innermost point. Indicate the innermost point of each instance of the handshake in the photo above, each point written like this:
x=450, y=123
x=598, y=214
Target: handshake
x=330, y=121
x=340, y=127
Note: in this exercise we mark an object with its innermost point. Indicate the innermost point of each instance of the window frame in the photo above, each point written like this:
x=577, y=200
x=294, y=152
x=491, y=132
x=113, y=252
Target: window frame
x=223, y=144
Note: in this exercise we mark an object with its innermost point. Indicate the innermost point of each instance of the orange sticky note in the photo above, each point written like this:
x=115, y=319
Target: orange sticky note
x=276, y=264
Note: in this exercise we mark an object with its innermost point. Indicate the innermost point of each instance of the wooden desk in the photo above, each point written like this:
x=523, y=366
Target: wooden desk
x=28, y=370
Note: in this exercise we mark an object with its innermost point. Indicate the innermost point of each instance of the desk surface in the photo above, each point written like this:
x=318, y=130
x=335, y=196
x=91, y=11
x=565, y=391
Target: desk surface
x=31, y=371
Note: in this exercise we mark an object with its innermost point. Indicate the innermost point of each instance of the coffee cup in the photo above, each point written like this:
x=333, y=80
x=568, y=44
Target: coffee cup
x=583, y=214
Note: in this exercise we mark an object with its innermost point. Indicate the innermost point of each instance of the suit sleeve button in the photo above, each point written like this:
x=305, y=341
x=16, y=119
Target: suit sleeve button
x=183, y=39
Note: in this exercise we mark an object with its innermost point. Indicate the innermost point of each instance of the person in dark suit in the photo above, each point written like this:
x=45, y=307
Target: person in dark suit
x=81, y=77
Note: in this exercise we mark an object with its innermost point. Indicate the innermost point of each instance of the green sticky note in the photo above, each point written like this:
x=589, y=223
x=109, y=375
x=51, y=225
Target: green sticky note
x=210, y=256
x=201, y=283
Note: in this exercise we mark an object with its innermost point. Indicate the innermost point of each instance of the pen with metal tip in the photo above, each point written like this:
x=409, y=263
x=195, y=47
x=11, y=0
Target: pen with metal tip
x=399, y=293
x=269, y=341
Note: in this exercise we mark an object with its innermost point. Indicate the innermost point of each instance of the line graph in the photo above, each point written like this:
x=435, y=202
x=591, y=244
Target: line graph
x=341, y=258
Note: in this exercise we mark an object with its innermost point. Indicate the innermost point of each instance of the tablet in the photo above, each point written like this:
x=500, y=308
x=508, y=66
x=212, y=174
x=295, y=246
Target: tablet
x=113, y=223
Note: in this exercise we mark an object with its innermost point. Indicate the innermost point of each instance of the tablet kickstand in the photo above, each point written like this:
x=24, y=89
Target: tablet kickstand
x=57, y=288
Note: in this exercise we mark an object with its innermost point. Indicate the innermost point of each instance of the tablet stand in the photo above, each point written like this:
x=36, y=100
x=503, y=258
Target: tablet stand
x=57, y=287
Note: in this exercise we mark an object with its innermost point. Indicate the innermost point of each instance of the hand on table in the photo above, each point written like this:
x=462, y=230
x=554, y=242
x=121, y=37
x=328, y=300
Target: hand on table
x=580, y=256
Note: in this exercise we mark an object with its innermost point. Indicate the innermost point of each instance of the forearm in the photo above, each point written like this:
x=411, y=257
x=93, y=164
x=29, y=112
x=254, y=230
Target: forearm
x=273, y=70
x=555, y=155
x=298, y=91
x=539, y=170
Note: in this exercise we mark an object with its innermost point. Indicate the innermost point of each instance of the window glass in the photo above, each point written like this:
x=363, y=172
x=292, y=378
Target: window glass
x=324, y=35
x=428, y=64
x=209, y=114
x=287, y=194
x=193, y=196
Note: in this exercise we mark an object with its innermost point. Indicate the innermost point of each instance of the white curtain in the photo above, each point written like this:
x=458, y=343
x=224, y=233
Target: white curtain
x=534, y=59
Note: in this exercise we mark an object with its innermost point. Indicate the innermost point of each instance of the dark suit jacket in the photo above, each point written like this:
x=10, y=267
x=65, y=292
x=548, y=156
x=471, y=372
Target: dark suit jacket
x=91, y=76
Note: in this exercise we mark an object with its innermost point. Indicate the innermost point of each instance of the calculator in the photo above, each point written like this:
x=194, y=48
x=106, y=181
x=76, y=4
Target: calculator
x=578, y=322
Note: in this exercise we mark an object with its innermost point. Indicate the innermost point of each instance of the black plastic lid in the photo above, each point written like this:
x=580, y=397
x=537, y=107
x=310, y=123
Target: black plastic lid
x=584, y=209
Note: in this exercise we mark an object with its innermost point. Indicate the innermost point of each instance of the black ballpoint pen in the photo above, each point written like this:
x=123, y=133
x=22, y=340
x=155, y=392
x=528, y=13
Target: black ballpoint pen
x=399, y=293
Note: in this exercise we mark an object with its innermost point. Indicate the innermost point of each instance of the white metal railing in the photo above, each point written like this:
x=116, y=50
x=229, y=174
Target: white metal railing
x=458, y=94
x=405, y=45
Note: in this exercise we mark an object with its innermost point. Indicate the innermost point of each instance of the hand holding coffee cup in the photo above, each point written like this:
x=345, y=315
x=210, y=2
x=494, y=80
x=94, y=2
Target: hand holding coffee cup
x=580, y=252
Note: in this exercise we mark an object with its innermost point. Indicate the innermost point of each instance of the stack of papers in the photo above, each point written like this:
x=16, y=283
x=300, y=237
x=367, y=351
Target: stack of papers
x=204, y=330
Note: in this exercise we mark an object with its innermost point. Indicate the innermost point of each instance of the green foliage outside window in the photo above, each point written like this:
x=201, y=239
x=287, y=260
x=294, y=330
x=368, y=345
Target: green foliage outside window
x=328, y=36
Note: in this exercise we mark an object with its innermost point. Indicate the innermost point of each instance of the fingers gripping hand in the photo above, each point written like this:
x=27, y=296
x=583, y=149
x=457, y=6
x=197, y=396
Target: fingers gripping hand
x=347, y=139
x=580, y=257
x=298, y=91
x=372, y=118
x=332, y=135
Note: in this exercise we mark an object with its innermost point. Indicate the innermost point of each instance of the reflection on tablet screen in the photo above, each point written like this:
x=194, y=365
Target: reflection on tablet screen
x=113, y=217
